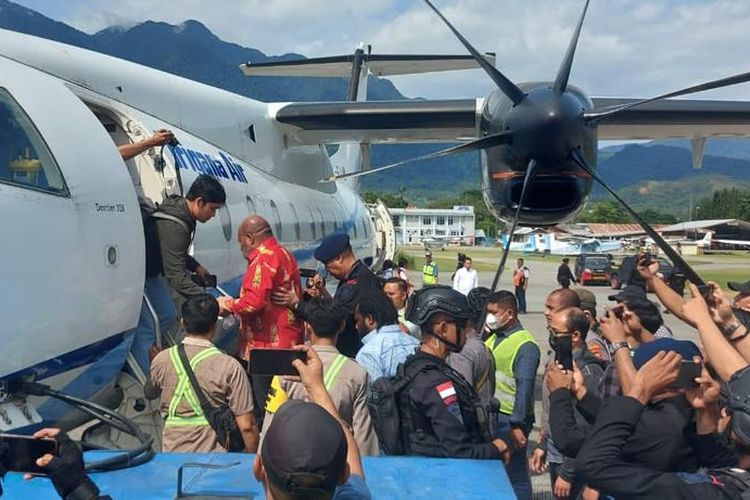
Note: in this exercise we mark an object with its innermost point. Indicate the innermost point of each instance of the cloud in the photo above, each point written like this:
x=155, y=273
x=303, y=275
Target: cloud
x=627, y=48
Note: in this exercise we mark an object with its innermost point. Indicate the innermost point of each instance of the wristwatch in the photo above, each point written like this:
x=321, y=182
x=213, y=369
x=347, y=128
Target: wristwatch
x=731, y=328
x=613, y=348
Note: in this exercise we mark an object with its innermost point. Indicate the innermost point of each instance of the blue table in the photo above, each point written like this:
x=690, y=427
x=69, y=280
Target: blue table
x=388, y=478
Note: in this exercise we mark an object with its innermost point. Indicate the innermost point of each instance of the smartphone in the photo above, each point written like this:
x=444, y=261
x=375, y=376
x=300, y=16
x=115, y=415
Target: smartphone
x=25, y=450
x=564, y=353
x=210, y=282
x=689, y=370
x=617, y=312
x=274, y=361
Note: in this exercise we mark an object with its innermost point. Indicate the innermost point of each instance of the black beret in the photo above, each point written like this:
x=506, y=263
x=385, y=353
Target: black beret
x=331, y=247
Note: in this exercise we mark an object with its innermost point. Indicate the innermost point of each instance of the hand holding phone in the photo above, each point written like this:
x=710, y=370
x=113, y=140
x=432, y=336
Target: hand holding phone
x=23, y=452
x=689, y=371
x=564, y=352
x=274, y=361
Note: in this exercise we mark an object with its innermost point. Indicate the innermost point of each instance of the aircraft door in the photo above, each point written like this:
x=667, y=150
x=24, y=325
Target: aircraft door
x=72, y=240
x=153, y=172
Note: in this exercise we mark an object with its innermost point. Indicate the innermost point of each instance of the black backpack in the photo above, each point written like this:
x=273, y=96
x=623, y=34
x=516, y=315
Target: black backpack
x=154, y=265
x=386, y=398
x=385, y=409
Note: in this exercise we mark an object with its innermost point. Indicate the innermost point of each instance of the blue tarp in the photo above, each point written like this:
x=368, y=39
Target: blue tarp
x=388, y=478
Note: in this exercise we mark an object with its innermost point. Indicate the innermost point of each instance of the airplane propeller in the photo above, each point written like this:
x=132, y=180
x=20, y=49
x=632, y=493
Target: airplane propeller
x=595, y=115
x=530, y=139
x=503, y=83
x=561, y=81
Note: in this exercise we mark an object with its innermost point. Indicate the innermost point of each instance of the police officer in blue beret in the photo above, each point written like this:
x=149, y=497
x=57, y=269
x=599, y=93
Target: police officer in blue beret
x=355, y=279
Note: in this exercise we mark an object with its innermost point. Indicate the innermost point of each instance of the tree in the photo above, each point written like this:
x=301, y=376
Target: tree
x=724, y=204
x=390, y=200
x=605, y=211
x=656, y=217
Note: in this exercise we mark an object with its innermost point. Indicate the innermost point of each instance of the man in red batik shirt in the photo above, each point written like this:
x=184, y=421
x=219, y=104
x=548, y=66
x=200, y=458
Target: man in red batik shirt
x=270, y=265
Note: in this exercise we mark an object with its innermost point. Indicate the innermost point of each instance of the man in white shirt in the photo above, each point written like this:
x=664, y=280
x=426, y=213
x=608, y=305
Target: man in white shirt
x=397, y=290
x=465, y=278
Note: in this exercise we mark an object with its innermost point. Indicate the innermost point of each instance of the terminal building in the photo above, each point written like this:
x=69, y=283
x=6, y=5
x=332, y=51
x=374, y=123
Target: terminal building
x=419, y=226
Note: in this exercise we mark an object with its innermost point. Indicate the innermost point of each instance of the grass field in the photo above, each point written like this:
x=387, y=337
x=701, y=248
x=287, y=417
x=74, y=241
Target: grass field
x=721, y=276
x=719, y=267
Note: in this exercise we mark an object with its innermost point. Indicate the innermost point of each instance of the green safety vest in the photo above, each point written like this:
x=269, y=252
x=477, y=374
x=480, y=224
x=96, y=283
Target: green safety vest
x=329, y=377
x=184, y=390
x=429, y=274
x=505, y=354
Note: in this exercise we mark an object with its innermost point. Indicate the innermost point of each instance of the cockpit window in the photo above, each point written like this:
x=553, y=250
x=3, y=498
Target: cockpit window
x=25, y=160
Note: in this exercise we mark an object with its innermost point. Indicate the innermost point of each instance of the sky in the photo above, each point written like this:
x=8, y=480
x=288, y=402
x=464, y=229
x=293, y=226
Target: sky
x=628, y=48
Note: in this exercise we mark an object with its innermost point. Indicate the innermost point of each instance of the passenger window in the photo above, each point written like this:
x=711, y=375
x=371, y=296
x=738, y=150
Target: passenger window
x=322, y=223
x=277, y=220
x=335, y=221
x=364, y=226
x=313, y=227
x=25, y=159
x=297, y=230
x=250, y=205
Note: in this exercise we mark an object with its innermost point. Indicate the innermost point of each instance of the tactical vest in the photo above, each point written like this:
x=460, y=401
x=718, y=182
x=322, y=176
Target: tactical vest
x=505, y=354
x=418, y=441
x=185, y=391
x=429, y=274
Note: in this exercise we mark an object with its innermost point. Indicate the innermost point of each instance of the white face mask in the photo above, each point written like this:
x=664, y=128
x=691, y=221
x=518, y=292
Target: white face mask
x=491, y=322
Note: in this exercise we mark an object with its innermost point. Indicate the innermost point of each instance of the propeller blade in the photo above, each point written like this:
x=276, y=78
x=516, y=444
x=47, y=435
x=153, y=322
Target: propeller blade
x=561, y=80
x=483, y=143
x=676, y=258
x=528, y=179
x=597, y=114
x=503, y=83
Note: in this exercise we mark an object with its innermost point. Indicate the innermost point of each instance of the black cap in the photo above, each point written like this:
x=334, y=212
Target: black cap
x=738, y=400
x=739, y=286
x=304, y=449
x=437, y=299
x=331, y=247
x=629, y=293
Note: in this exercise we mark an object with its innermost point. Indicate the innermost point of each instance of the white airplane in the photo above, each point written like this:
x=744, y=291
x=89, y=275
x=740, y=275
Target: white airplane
x=550, y=244
x=722, y=241
x=704, y=243
x=73, y=248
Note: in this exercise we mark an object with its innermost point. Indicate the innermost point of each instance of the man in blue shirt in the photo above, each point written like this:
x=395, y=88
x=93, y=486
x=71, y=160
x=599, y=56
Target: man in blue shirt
x=385, y=345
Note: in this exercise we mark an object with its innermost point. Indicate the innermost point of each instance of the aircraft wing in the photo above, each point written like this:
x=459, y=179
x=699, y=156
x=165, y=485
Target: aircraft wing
x=739, y=243
x=379, y=121
x=457, y=120
x=674, y=118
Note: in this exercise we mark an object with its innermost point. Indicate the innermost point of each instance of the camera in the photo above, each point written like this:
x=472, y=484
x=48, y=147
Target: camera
x=173, y=142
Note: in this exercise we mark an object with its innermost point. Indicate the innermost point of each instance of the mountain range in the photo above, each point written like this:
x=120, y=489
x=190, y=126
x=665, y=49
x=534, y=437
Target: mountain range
x=649, y=175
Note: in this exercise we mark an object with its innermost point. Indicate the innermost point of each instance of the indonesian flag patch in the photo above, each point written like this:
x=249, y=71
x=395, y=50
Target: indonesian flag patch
x=447, y=392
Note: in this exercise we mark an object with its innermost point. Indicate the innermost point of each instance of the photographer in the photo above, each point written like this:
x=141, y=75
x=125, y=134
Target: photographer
x=731, y=317
x=65, y=467
x=602, y=460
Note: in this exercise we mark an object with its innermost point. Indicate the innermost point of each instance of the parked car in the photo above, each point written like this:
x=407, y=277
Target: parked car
x=626, y=274
x=593, y=268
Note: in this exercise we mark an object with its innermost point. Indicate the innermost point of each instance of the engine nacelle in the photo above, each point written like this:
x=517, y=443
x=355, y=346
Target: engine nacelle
x=546, y=127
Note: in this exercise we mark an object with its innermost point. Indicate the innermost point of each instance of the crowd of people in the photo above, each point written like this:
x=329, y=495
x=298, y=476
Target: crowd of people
x=444, y=371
